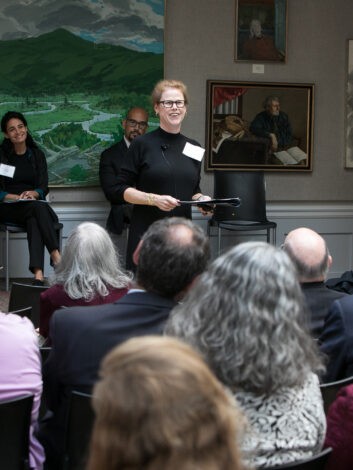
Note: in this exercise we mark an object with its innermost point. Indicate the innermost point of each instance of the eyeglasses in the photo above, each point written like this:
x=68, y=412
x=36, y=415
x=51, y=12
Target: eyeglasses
x=169, y=103
x=140, y=124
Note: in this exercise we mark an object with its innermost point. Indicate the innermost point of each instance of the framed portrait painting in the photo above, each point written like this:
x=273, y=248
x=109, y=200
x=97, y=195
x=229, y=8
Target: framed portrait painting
x=261, y=30
x=259, y=126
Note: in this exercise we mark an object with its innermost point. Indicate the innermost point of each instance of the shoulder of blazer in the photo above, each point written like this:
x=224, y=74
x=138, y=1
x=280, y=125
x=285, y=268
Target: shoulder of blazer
x=120, y=147
x=3, y=156
x=38, y=156
x=146, y=298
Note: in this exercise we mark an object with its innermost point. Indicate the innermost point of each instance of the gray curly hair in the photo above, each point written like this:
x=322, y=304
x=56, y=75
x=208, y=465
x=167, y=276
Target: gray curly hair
x=246, y=317
x=89, y=264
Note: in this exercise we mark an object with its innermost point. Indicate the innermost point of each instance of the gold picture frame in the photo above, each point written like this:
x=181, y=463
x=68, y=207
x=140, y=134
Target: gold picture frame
x=240, y=132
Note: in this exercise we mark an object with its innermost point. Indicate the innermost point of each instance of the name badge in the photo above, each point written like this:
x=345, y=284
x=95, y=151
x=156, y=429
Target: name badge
x=193, y=151
x=7, y=170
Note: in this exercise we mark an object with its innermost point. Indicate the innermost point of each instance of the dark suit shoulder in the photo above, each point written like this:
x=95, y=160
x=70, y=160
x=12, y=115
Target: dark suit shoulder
x=148, y=298
x=322, y=288
x=117, y=150
x=143, y=303
x=343, y=308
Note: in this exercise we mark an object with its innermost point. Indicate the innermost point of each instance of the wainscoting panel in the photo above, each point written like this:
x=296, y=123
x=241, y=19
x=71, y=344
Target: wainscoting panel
x=333, y=221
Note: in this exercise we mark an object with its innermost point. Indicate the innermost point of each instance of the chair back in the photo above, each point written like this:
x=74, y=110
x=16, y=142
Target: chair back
x=15, y=420
x=78, y=431
x=249, y=186
x=26, y=295
x=330, y=390
x=44, y=353
x=23, y=312
x=317, y=462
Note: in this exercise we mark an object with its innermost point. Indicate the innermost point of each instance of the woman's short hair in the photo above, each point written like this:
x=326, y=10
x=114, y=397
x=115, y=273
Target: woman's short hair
x=163, y=85
x=247, y=317
x=158, y=406
x=89, y=264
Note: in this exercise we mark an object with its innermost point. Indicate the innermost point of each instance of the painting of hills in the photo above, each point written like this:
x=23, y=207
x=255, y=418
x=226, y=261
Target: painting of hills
x=74, y=84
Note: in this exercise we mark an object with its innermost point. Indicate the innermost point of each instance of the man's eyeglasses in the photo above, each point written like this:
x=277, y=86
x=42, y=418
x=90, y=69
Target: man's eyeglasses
x=169, y=103
x=140, y=124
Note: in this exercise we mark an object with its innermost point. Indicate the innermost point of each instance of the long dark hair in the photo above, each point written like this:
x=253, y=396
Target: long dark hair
x=6, y=143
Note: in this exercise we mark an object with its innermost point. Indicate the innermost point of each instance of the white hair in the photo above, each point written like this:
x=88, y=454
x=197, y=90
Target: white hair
x=89, y=264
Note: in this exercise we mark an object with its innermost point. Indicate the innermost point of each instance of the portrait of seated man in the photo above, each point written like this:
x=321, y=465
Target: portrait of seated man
x=274, y=125
x=259, y=46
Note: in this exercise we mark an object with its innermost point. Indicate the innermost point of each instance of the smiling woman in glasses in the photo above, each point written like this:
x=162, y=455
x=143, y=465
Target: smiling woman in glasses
x=162, y=167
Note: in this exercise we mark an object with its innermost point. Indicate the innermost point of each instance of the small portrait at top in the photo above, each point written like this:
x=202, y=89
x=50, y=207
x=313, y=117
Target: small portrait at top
x=260, y=30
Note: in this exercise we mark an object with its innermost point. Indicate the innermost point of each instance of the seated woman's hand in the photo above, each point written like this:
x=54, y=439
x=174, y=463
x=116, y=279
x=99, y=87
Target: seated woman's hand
x=29, y=195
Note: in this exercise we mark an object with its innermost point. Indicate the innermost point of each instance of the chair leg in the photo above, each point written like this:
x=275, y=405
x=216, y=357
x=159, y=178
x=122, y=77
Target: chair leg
x=60, y=237
x=219, y=240
x=271, y=236
x=7, y=269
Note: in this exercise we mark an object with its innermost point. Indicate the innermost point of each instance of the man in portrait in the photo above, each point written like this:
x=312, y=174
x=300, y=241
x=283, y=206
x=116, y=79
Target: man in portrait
x=273, y=124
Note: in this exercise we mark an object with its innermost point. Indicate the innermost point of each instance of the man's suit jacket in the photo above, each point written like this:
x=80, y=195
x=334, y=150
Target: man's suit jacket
x=336, y=340
x=319, y=299
x=109, y=166
x=81, y=337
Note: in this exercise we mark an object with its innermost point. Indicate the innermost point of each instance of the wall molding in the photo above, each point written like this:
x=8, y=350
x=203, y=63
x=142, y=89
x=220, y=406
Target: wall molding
x=334, y=221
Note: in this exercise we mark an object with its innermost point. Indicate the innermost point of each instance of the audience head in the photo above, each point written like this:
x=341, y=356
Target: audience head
x=163, y=85
x=171, y=254
x=159, y=407
x=89, y=263
x=135, y=123
x=245, y=316
x=309, y=253
x=10, y=120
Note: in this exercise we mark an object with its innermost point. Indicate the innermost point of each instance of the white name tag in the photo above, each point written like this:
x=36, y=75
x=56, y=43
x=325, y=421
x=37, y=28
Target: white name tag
x=193, y=151
x=7, y=170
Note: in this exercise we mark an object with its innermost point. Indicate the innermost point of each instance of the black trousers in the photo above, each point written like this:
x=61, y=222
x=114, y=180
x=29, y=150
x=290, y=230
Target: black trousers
x=39, y=220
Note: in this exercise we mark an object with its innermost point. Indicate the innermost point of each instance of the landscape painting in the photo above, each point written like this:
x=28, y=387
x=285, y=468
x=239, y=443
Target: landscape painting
x=74, y=68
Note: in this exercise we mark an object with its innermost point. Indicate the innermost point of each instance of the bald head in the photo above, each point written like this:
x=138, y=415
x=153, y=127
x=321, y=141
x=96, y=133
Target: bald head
x=135, y=123
x=308, y=251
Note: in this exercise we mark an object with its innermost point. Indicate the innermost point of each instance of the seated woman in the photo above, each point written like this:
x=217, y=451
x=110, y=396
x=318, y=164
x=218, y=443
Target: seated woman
x=21, y=373
x=158, y=406
x=24, y=180
x=340, y=430
x=89, y=273
x=246, y=317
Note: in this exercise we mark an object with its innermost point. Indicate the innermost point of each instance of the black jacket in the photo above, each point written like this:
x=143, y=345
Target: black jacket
x=109, y=167
x=39, y=164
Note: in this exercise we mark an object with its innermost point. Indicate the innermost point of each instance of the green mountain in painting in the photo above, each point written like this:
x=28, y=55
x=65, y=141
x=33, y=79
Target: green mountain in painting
x=60, y=62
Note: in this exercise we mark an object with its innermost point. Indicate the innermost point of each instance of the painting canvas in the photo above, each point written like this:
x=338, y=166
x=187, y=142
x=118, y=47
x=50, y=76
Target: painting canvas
x=349, y=106
x=73, y=69
x=257, y=125
x=261, y=30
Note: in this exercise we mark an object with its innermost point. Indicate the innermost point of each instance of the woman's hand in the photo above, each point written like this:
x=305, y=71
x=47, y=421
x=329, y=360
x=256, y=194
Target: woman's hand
x=29, y=195
x=164, y=203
